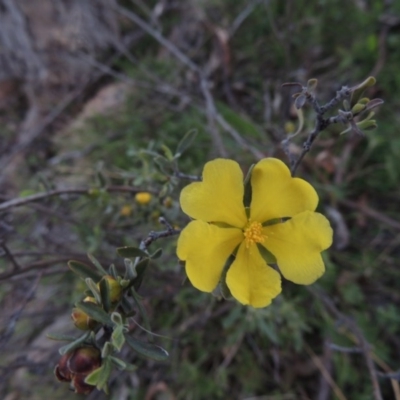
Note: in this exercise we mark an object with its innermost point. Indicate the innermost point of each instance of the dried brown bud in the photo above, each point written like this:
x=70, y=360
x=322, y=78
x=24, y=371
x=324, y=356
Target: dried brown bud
x=75, y=366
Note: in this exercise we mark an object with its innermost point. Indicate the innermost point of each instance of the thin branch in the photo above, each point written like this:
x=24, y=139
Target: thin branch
x=6, y=335
x=325, y=373
x=243, y=15
x=181, y=175
x=153, y=236
x=58, y=192
x=362, y=342
x=34, y=266
x=321, y=123
x=343, y=349
x=10, y=256
x=370, y=212
x=212, y=112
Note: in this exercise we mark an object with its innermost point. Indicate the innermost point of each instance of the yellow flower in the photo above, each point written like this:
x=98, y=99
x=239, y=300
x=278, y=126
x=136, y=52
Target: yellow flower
x=143, y=198
x=280, y=218
x=126, y=210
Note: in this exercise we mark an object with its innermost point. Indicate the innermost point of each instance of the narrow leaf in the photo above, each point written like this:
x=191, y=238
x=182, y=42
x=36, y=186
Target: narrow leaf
x=105, y=294
x=157, y=254
x=148, y=350
x=95, y=312
x=94, y=289
x=120, y=364
x=140, y=270
x=143, y=313
x=131, y=252
x=100, y=376
x=83, y=270
x=97, y=264
x=164, y=165
x=118, y=338
x=74, y=345
x=61, y=337
x=113, y=271
x=185, y=142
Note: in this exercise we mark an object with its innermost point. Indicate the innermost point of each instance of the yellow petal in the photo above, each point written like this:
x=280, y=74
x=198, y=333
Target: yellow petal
x=205, y=248
x=275, y=194
x=219, y=197
x=297, y=245
x=250, y=280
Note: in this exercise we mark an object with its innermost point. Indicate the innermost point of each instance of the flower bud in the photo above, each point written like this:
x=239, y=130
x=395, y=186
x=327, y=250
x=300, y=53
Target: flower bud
x=81, y=319
x=115, y=288
x=126, y=210
x=168, y=202
x=76, y=365
x=143, y=198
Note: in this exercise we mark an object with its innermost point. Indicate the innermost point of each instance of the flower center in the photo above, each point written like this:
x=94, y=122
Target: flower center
x=253, y=233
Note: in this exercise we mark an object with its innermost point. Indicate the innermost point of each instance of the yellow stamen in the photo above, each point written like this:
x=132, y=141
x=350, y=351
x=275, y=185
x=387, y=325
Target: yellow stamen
x=253, y=233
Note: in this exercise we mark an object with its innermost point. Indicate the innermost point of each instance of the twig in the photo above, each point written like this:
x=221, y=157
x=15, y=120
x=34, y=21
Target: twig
x=35, y=265
x=10, y=256
x=153, y=236
x=6, y=335
x=181, y=175
x=343, y=349
x=243, y=16
x=370, y=212
x=325, y=373
x=321, y=123
x=362, y=342
x=58, y=192
x=212, y=112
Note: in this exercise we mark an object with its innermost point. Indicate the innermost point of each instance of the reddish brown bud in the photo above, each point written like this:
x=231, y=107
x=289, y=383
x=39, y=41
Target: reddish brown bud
x=62, y=371
x=75, y=366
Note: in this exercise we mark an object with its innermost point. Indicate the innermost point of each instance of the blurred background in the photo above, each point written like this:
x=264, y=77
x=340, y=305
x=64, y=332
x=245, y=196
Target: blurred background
x=92, y=92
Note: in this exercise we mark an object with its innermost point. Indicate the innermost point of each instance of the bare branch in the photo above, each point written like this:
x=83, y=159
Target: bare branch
x=58, y=192
x=362, y=342
x=211, y=109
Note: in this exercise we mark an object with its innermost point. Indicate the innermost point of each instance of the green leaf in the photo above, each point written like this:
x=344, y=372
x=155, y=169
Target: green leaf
x=140, y=269
x=83, y=270
x=75, y=344
x=94, y=311
x=113, y=271
x=107, y=350
x=167, y=152
x=358, y=90
x=156, y=254
x=165, y=166
x=130, y=270
x=100, y=376
x=145, y=349
x=61, y=337
x=185, y=142
x=94, y=289
x=117, y=337
x=143, y=313
x=312, y=85
x=105, y=294
x=120, y=364
x=97, y=264
x=131, y=252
